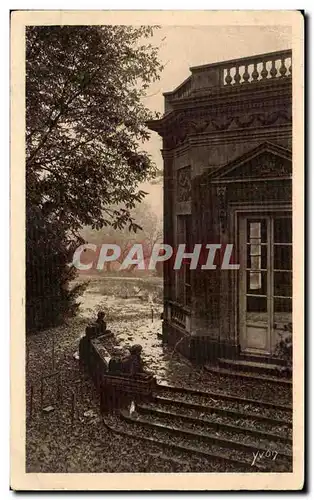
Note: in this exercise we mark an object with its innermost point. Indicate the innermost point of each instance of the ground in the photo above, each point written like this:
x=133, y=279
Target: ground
x=72, y=437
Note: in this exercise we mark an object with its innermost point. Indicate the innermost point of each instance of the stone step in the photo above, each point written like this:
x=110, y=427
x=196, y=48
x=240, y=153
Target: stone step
x=247, y=375
x=261, y=359
x=251, y=366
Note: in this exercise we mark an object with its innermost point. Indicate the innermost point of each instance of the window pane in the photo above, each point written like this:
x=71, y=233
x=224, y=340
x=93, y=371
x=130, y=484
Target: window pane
x=256, y=304
x=257, y=231
x=256, y=257
x=256, y=282
x=282, y=257
x=283, y=230
x=282, y=305
x=283, y=284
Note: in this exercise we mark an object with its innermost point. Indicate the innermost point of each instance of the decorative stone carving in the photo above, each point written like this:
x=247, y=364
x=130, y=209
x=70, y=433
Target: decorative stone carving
x=184, y=184
x=200, y=125
x=222, y=123
x=263, y=165
x=192, y=123
x=244, y=120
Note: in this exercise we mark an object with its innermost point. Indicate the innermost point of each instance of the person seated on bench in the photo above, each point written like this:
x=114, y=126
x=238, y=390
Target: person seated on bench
x=101, y=324
x=98, y=328
x=115, y=363
x=133, y=365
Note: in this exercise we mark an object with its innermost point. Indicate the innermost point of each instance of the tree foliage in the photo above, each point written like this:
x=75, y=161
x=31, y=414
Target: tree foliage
x=85, y=125
x=85, y=120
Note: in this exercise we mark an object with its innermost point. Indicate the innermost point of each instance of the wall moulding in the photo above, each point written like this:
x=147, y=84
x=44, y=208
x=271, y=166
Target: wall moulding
x=233, y=104
x=191, y=130
x=241, y=135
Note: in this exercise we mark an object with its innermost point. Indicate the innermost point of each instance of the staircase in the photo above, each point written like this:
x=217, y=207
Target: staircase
x=252, y=367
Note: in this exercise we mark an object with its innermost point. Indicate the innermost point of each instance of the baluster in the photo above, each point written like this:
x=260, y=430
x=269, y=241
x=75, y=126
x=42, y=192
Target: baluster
x=237, y=76
x=246, y=75
x=264, y=72
x=228, y=78
x=283, y=69
x=255, y=73
x=273, y=72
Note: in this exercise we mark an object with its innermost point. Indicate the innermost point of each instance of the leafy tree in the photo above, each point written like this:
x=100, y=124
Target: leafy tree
x=85, y=122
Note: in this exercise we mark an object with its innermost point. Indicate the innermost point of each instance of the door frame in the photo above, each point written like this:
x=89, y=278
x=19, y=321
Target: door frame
x=236, y=210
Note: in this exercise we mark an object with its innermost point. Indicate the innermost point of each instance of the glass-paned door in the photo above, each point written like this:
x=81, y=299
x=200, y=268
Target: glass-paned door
x=265, y=288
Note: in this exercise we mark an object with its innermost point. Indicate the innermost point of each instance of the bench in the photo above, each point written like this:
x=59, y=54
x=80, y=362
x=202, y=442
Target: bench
x=137, y=385
x=114, y=389
x=118, y=391
x=94, y=357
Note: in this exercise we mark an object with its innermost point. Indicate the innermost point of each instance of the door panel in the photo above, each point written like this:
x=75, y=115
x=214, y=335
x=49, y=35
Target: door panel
x=256, y=337
x=254, y=285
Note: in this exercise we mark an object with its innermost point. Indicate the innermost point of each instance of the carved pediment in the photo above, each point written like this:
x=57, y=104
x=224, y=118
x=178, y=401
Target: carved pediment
x=266, y=161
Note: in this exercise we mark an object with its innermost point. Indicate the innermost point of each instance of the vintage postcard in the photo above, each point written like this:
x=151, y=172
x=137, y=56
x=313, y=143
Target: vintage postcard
x=157, y=250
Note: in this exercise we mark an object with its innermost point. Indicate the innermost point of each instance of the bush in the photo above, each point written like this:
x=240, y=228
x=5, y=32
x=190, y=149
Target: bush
x=49, y=298
x=284, y=349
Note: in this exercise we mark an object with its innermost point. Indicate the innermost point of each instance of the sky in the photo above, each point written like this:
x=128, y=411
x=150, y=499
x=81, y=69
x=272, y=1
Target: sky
x=182, y=47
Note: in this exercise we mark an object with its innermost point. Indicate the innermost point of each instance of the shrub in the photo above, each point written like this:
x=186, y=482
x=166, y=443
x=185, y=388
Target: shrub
x=49, y=298
x=284, y=348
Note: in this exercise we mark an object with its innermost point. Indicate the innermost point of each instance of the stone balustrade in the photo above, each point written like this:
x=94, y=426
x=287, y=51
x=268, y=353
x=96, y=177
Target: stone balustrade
x=236, y=72
x=179, y=315
x=257, y=68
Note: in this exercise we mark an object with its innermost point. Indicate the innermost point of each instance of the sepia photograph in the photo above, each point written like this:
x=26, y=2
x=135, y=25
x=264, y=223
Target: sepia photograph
x=154, y=186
